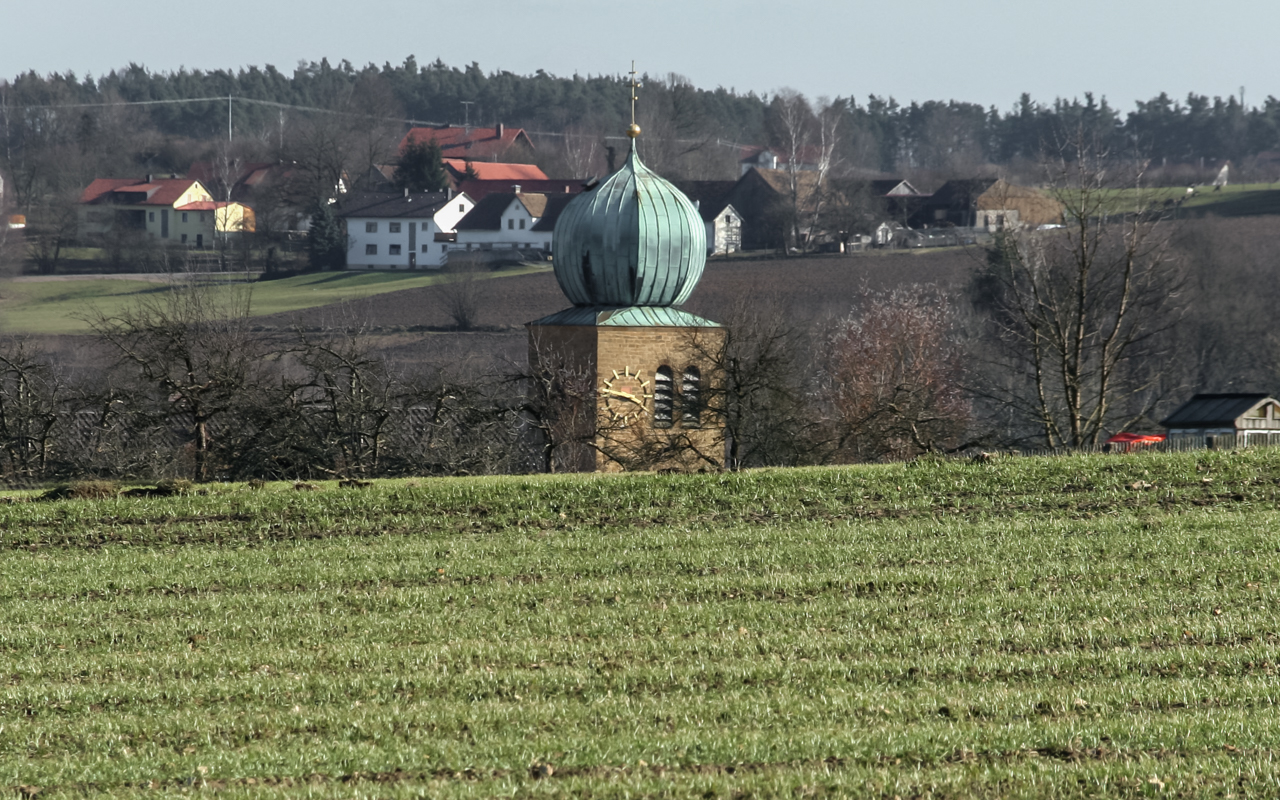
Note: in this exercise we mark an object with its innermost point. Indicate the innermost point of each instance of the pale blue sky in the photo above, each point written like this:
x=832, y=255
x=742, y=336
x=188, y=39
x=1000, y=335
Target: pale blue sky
x=979, y=51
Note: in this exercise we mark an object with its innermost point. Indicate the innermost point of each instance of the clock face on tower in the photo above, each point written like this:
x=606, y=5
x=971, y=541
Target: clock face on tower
x=626, y=395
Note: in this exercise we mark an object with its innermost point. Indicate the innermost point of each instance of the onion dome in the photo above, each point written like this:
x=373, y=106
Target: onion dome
x=632, y=240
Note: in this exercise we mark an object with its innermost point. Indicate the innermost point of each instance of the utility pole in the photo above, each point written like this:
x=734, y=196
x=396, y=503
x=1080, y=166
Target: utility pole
x=228, y=116
x=467, y=104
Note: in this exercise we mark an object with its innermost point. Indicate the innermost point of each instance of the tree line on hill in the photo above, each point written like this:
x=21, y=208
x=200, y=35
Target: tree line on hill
x=882, y=135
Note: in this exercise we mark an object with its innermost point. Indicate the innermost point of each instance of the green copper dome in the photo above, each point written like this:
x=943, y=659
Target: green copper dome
x=634, y=240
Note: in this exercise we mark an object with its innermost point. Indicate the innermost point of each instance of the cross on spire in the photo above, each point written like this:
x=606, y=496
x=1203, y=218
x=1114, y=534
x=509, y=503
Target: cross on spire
x=634, y=130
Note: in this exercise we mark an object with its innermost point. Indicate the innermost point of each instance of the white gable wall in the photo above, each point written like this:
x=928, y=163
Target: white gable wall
x=421, y=240
x=515, y=231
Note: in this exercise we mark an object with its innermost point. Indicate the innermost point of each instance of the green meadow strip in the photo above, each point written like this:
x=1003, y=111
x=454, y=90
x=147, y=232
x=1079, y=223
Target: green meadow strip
x=1079, y=627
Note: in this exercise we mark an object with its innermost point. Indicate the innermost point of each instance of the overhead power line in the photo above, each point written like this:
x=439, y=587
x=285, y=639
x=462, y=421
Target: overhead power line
x=318, y=110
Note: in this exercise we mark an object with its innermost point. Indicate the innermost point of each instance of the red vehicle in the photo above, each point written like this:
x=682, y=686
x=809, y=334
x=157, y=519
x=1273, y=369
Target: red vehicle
x=1128, y=442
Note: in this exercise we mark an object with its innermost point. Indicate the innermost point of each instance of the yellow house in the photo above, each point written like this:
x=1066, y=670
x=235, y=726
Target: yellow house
x=173, y=210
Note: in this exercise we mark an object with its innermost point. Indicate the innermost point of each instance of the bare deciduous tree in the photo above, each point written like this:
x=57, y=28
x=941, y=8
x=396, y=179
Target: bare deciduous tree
x=462, y=296
x=892, y=378
x=559, y=407
x=191, y=355
x=1079, y=311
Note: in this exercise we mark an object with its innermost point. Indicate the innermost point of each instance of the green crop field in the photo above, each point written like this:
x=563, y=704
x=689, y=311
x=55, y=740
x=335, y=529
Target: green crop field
x=1101, y=626
x=1238, y=200
x=60, y=306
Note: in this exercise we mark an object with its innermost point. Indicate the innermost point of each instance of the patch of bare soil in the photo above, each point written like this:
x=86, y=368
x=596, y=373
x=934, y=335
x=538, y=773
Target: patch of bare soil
x=411, y=327
x=809, y=285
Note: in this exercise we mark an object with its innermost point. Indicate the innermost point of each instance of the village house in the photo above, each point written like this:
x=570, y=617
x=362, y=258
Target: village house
x=472, y=144
x=261, y=185
x=1254, y=418
x=510, y=225
x=481, y=188
x=723, y=222
x=171, y=210
x=986, y=203
x=401, y=230
x=382, y=177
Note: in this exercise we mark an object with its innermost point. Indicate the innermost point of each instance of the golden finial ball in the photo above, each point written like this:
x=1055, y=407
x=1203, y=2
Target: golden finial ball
x=633, y=131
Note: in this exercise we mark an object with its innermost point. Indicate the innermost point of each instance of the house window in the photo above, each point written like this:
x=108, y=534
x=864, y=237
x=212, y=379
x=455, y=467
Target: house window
x=691, y=398
x=444, y=248
x=371, y=227
x=522, y=224
x=184, y=238
x=424, y=225
x=393, y=227
x=394, y=250
x=370, y=249
x=664, y=404
x=424, y=248
x=202, y=216
x=511, y=225
x=184, y=216
x=461, y=207
x=151, y=217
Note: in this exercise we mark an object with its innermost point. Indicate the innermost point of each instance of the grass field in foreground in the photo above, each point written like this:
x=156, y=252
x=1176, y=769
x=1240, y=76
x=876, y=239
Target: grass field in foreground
x=1092, y=626
x=49, y=307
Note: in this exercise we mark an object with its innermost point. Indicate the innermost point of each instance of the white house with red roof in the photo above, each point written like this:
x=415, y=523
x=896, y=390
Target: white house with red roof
x=172, y=210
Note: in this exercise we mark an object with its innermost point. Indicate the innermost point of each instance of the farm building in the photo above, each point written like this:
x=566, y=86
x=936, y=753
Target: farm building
x=401, y=230
x=989, y=203
x=508, y=226
x=472, y=144
x=1253, y=417
x=722, y=220
x=173, y=210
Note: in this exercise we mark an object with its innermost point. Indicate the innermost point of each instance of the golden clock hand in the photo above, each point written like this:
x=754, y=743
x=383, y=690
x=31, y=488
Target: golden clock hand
x=626, y=395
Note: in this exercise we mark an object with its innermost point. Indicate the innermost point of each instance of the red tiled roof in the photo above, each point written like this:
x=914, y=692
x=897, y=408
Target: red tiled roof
x=479, y=189
x=496, y=171
x=162, y=191
x=101, y=186
x=470, y=143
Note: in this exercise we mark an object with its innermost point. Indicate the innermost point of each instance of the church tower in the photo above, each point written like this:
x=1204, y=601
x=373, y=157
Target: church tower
x=625, y=379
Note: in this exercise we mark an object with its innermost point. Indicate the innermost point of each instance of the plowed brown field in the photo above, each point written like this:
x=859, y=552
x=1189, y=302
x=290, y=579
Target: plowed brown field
x=413, y=325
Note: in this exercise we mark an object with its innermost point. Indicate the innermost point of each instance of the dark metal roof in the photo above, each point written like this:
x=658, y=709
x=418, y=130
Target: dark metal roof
x=555, y=204
x=1214, y=410
x=392, y=204
x=626, y=317
x=712, y=196
x=487, y=215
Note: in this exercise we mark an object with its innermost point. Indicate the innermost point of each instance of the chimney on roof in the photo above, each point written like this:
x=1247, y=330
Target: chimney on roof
x=501, y=128
x=149, y=177
x=516, y=188
x=406, y=191
x=450, y=195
